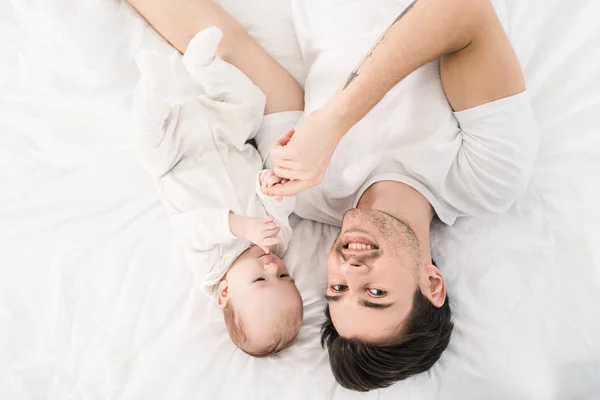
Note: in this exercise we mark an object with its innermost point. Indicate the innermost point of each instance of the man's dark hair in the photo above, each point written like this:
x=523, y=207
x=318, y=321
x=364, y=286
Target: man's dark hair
x=363, y=366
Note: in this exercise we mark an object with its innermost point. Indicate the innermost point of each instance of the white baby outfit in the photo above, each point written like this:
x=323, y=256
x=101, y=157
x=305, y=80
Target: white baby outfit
x=198, y=155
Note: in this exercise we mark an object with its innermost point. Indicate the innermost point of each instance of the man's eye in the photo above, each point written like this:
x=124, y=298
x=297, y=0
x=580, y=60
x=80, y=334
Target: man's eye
x=377, y=292
x=283, y=275
x=258, y=280
x=339, y=288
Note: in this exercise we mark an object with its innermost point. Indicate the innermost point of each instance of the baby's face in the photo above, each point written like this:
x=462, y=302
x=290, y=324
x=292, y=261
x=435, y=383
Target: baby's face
x=262, y=291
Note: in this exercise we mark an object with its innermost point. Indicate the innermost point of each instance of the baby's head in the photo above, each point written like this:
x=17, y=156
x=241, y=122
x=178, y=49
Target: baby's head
x=261, y=305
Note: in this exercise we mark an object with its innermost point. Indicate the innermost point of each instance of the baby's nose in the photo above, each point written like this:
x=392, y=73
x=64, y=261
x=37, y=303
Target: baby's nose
x=267, y=259
x=270, y=266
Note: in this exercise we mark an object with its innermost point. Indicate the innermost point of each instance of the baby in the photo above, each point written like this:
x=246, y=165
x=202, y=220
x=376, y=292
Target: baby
x=208, y=179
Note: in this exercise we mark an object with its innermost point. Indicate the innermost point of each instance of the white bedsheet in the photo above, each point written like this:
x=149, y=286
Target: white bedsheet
x=96, y=301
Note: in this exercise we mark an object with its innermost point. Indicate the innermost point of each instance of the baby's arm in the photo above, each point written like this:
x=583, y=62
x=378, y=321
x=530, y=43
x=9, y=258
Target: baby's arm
x=205, y=228
x=202, y=229
x=261, y=231
x=279, y=208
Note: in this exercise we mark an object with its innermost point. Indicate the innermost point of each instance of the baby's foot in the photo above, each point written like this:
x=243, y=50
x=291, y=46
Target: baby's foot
x=203, y=47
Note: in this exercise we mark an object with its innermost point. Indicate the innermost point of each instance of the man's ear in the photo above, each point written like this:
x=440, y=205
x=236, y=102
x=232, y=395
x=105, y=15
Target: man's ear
x=223, y=294
x=433, y=285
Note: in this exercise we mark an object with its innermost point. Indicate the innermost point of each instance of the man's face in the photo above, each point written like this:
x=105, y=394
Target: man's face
x=373, y=273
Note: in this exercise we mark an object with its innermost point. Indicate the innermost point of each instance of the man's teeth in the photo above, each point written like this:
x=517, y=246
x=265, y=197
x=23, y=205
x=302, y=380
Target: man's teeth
x=360, y=246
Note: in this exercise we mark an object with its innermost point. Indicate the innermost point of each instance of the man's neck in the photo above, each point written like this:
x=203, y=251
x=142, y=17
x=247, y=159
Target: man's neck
x=403, y=202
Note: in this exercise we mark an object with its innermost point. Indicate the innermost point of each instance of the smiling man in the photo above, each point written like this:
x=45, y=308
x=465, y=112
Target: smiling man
x=388, y=300
x=363, y=293
x=434, y=120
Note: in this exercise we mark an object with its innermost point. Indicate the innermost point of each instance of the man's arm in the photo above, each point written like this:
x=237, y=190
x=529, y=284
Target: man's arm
x=478, y=62
x=179, y=20
x=478, y=66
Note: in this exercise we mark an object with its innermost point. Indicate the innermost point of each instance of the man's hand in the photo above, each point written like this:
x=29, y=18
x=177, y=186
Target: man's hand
x=268, y=179
x=303, y=156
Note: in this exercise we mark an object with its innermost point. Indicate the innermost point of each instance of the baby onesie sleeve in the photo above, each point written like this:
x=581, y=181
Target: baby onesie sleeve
x=273, y=127
x=202, y=229
x=280, y=211
x=496, y=158
x=210, y=266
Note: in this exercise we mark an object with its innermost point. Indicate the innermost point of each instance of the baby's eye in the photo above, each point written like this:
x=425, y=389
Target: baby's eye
x=339, y=288
x=377, y=292
x=283, y=275
x=258, y=280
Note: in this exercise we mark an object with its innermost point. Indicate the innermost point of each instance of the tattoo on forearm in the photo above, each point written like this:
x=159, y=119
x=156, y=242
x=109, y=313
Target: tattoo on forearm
x=410, y=6
x=355, y=73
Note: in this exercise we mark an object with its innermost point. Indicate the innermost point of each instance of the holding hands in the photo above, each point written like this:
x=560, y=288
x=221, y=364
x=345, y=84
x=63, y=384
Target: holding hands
x=268, y=179
x=301, y=157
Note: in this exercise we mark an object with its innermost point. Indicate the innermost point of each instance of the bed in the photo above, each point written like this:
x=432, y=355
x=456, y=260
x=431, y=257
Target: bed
x=96, y=301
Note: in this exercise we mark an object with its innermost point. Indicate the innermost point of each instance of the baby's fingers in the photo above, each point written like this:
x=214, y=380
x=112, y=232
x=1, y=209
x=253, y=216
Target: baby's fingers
x=273, y=179
x=270, y=241
x=272, y=232
x=264, y=177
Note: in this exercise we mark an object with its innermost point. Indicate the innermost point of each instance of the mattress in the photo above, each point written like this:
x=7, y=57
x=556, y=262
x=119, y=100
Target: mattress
x=96, y=301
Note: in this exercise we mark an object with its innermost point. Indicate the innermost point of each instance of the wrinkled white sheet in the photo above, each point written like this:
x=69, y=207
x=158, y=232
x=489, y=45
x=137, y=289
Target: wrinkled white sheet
x=96, y=301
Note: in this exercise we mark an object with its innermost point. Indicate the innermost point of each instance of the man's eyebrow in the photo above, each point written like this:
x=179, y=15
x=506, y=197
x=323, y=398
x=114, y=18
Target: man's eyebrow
x=364, y=303
x=377, y=306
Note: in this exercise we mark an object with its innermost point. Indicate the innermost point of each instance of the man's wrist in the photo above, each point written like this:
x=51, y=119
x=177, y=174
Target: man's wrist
x=338, y=111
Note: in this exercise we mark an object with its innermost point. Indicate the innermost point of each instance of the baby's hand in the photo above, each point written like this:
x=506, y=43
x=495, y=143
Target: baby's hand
x=262, y=232
x=269, y=179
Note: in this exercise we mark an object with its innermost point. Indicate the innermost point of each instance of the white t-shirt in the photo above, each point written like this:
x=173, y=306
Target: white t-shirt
x=465, y=163
x=203, y=168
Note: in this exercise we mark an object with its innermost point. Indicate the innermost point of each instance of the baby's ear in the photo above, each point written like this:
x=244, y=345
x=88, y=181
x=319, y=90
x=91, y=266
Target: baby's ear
x=223, y=294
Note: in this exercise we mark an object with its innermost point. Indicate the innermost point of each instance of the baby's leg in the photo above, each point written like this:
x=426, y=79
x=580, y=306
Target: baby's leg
x=179, y=20
x=152, y=118
x=222, y=82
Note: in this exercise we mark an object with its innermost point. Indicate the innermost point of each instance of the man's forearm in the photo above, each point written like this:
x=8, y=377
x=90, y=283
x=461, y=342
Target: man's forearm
x=424, y=31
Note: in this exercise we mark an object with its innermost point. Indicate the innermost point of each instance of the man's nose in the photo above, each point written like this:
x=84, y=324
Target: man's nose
x=352, y=267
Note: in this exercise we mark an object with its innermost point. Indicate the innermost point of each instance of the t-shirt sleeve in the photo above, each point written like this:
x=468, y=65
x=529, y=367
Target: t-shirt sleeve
x=273, y=127
x=496, y=158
